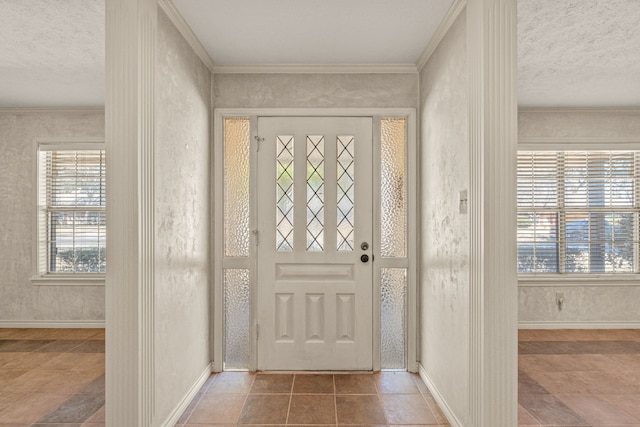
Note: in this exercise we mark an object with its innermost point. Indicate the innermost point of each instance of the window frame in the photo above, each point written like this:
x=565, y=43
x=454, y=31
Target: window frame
x=555, y=144
x=39, y=275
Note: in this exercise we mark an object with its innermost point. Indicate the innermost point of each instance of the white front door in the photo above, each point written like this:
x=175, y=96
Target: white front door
x=315, y=228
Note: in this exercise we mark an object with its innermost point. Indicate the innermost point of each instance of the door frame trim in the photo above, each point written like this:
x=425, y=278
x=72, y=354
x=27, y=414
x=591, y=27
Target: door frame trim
x=217, y=223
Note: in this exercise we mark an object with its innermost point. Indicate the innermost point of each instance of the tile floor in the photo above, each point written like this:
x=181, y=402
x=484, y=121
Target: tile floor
x=52, y=377
x=579, y=378
x=55, y=377
x=387, y=398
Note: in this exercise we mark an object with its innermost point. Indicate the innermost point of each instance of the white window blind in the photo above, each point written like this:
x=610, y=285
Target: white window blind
x=72, y=211
x=578, y=211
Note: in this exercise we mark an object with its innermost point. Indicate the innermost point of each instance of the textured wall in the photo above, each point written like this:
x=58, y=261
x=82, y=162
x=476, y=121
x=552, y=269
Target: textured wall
x=444, y=287
x=593, y=302
x=183, y=109
x=315, y=90
x=21, y=300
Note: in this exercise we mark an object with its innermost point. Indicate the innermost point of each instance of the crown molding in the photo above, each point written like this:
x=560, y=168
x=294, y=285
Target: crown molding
x=316, y=69
x=174, y=15
x=446, y=23
x=573, y=110
x=50, y=110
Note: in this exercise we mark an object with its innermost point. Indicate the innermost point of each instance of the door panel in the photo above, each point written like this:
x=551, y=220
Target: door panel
x=314, y=210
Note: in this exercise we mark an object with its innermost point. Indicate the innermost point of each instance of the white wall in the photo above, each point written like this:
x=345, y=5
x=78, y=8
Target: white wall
x=315, y=90
x=444, y=264
x=22, y=301
x=182, y=217
x=595, y=303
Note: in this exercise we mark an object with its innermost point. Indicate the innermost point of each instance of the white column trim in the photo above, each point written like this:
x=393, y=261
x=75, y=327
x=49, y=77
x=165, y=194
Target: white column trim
x=492, y=56
x=131, y=31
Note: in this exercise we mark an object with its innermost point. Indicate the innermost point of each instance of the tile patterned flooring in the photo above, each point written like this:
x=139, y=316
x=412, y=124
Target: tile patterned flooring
x=279, y=399
x=579, y=378
x=55, y=377
x=52, y=377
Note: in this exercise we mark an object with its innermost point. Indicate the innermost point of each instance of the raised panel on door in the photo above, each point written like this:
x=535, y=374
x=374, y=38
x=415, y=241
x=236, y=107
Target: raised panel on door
x=314, y=210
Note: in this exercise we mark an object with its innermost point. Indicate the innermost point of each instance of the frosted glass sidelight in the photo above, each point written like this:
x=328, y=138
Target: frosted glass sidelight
x=345, y=146
x=393, y=191
x=236, y=319
x=315, y=192
x=393, y=309
x=236, y=186
x=284, y=192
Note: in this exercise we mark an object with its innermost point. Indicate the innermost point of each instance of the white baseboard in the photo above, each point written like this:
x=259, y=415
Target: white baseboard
x=175, y=415
x=446, y=409
x=578, y=325
x=52, y=324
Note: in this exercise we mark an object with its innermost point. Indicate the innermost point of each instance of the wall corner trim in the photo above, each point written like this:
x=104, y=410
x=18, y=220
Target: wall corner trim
x=448, y=20
x=183, y=27
x=442, y=403
x=176, y=413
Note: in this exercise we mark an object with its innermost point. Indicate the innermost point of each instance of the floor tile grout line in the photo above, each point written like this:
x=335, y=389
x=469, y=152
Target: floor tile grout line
x=293, y=383
x=335, y=398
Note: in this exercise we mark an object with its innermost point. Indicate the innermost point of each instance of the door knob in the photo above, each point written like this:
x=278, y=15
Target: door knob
x=364, y=258
x=364, y=246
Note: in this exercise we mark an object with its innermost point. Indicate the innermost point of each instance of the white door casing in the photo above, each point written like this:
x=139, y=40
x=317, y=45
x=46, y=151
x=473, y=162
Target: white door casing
x=314, y=293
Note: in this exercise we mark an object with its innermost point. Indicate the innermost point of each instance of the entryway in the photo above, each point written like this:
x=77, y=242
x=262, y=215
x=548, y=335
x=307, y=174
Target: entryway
x=316, y=210
x=315, y=233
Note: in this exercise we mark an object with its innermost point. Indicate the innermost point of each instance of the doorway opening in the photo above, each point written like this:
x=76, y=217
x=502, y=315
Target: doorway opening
x=315, y=237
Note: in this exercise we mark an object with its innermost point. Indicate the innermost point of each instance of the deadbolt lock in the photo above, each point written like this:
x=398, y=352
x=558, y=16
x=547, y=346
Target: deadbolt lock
x=364, y=246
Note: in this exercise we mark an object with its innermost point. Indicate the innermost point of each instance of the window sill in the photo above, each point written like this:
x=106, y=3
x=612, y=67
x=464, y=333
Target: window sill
x=551, y=280
x=66, y=280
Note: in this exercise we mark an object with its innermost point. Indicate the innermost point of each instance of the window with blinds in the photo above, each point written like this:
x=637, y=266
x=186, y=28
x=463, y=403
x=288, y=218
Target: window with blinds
x=72, y=233
x=578, y=211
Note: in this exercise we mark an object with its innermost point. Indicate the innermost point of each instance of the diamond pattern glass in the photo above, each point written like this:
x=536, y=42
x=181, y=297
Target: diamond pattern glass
x=345, y=146
x=236, y=319
x=393, y=307
x=236, y=186
x=284, y=192
x=315, y=192
x=393, y=191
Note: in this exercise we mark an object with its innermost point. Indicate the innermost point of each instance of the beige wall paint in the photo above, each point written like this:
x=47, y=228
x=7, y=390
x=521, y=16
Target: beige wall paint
x=20, y=299
x=315, y=90
x=444, y=263
x=593, y=302
x=182, y=218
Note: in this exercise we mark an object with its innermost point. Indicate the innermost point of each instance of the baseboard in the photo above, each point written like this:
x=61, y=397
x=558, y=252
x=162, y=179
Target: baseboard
x=175, y=415
x=578, y=325
x=444, y=407
x=52, y=324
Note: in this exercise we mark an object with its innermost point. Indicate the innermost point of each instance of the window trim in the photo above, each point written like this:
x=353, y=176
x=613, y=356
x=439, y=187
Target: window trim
x=590, y=143
x=59, y=279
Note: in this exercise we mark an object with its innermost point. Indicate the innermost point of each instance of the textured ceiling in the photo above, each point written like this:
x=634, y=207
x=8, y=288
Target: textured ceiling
x=313, y=32
x=579, y=53
x=572, y=53
x=52, y=53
